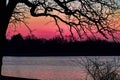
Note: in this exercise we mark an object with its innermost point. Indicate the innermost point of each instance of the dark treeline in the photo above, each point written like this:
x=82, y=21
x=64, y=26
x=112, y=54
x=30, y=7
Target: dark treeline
x=18, y=46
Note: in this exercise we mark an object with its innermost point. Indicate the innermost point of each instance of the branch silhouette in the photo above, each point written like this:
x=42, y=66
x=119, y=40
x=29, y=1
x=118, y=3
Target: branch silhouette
x=82, y=16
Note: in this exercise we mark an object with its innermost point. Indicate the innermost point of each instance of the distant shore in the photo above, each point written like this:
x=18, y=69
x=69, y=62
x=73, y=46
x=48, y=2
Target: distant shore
x=59, y=47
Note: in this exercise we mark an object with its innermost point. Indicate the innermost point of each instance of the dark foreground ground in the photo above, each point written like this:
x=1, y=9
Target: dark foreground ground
x=14, y=78
x=59, y=47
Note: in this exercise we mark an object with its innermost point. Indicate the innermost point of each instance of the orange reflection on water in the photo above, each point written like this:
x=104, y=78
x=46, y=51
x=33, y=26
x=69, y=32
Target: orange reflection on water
x=45, y=72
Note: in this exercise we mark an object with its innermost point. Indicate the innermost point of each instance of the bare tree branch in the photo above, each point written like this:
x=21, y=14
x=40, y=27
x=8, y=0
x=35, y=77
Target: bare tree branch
x=95, y=14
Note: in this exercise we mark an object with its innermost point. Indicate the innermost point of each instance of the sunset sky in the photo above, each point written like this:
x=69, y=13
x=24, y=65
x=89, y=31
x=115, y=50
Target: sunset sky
x=44, y=27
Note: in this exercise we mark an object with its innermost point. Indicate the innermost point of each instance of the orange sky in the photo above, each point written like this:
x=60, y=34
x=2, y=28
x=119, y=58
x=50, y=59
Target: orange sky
x=43, y=27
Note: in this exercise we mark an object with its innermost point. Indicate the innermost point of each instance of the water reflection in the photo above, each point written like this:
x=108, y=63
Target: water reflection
x=47, y=68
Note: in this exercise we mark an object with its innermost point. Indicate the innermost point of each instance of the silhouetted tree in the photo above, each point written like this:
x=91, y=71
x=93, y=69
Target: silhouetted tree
x=80, y=15
x=17, y=38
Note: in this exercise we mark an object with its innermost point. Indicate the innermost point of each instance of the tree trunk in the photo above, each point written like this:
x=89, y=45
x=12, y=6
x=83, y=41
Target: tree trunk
x=5, y=15
x=3, y=28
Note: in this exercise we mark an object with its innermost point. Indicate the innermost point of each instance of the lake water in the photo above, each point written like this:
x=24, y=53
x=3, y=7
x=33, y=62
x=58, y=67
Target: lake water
x=45, y=68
